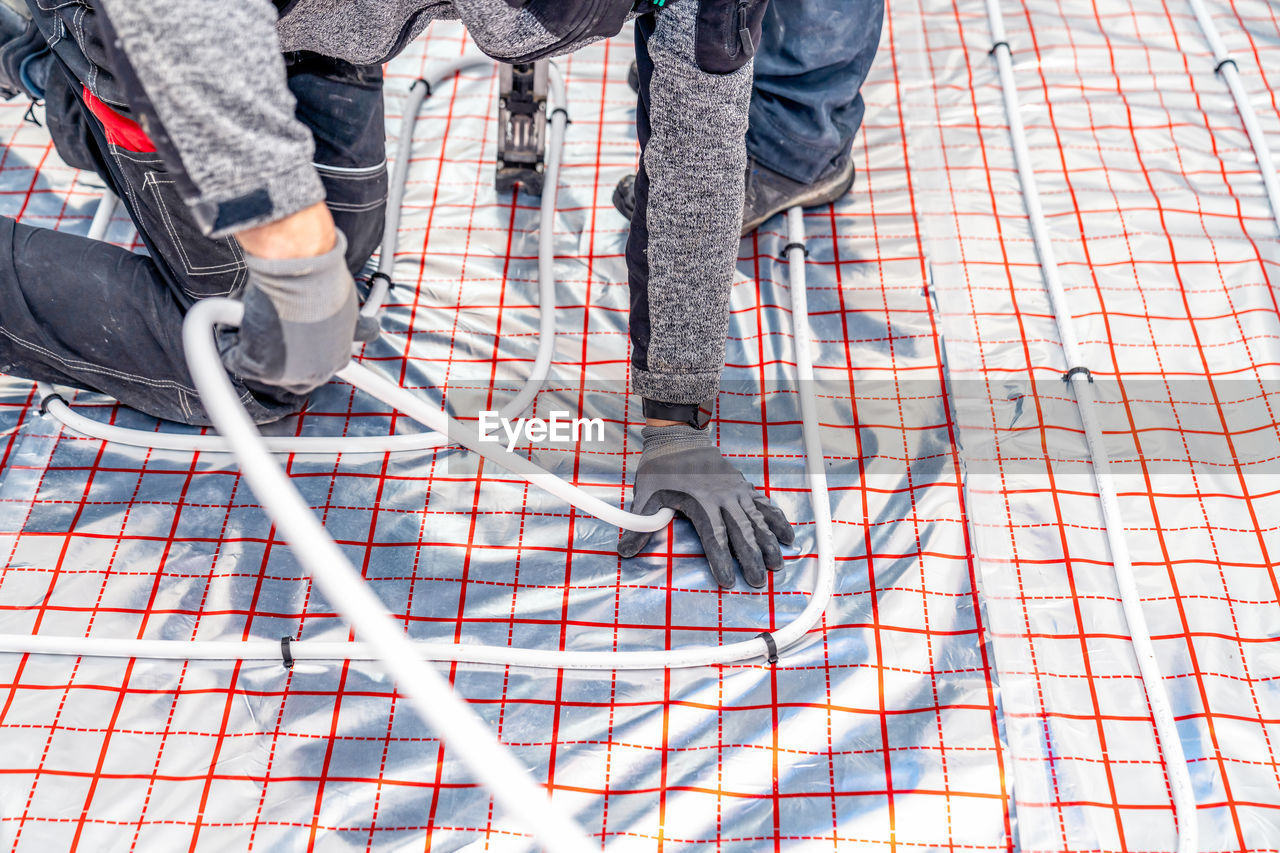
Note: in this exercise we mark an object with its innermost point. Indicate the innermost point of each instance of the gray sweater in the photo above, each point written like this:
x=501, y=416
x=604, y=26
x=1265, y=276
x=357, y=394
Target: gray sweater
x=213, y=73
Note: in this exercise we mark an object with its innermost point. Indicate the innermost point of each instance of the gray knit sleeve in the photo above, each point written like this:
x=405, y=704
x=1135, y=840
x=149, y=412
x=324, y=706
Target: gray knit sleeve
x=696, y=162
x=207, y=81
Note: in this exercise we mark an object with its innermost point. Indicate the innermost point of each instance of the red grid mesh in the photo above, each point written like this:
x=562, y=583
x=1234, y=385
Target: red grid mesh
x=884, y=729
x=1168, y=252
x=881, y=731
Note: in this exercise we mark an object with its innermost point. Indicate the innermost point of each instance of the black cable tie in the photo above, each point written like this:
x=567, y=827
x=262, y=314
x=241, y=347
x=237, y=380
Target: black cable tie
x=562, y=112
x=425, y=84
x=771, y=645
x=285, y=653
x=30, y=114
x=1217, y=69
x=1066, y=377
x=47, y=399
x=391, y=285
x=996, y=47
x=786, y=250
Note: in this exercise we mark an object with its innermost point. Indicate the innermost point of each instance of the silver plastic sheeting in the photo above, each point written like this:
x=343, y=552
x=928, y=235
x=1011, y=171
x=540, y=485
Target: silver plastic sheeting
x=1169, y=254
x=880, y=731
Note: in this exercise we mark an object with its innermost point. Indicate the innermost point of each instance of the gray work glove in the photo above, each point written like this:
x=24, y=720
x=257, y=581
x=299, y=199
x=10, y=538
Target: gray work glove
x=299, y=321
x=680, y=468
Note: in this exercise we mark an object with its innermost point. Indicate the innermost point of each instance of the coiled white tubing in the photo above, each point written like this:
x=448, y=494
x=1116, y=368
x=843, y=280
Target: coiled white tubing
x=207, y=369
x=379, y=635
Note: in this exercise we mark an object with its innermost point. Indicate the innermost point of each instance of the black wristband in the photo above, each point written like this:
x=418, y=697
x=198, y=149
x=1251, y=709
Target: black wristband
x=692, y=413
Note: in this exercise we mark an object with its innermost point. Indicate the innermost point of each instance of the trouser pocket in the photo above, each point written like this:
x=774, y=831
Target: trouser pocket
x=197, y=265
x=728, y=33
x=64, y=114
x=357, y=198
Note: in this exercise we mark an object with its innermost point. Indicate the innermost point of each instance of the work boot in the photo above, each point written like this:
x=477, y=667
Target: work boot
x=624, y=196
x=768, y=193
x=24, y=53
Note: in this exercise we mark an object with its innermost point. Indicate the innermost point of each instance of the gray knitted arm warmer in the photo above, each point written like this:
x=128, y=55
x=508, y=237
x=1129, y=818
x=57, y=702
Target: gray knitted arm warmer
x=696, y=160
x=214, y=76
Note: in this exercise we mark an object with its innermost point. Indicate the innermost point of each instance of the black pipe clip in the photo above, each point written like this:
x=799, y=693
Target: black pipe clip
x=1066, y=377
x=47, y=399
x=285, y=653
x=391, y=285
x=771, y=645
x=786, y=250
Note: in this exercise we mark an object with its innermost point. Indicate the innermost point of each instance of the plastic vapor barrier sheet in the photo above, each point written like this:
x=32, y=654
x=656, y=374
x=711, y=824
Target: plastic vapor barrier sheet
x=883, y=724
x=972, y=685
x=1169, y=255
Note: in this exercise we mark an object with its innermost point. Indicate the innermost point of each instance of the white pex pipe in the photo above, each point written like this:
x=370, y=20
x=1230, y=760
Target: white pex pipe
x=102, y=215
x=381, y=638
x=58, y=408
x=204, y=355
x=1081, y=381
x=430, y=694
x=1226, y=66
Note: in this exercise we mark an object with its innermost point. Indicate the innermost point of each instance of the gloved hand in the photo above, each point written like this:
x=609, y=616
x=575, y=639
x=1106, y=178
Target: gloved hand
x=299, y=321
x=680, y=468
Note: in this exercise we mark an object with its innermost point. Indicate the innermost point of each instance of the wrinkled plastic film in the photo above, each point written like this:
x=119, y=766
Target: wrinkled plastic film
x=882, y=720
x=1167, y=253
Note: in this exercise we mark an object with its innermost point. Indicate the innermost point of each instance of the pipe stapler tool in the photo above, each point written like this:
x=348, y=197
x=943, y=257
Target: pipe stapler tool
x=522, y=126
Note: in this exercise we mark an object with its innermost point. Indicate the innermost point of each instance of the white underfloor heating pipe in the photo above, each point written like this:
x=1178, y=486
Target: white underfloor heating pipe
x=1081, y=381
x=431, y=696
x=380, y=637
x=1226, y=66
x=210, y=311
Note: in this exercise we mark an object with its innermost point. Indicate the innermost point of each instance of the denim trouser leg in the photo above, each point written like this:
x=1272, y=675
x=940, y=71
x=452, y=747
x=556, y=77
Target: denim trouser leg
x=806, y=106
x=90, y=315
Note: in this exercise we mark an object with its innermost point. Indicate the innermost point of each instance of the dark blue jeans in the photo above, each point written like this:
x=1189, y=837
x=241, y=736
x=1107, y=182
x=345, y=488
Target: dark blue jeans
x=90, y=315
x=807, y=104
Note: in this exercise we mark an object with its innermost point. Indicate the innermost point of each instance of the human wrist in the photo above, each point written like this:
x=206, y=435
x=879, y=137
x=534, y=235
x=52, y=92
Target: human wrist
x=308, y=233
x=302, y=266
